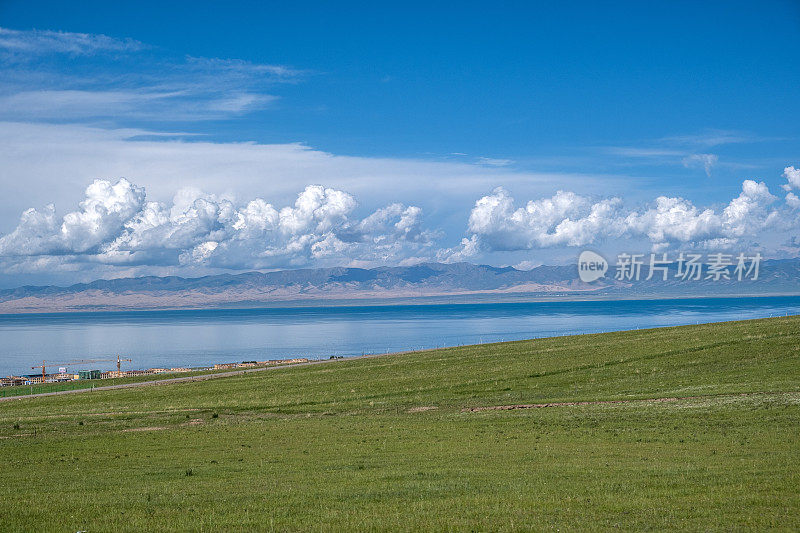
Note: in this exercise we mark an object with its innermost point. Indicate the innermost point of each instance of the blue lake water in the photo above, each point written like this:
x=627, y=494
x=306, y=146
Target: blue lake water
x=199, y=338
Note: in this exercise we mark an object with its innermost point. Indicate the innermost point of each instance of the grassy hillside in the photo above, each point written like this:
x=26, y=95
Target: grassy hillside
x=390, y=442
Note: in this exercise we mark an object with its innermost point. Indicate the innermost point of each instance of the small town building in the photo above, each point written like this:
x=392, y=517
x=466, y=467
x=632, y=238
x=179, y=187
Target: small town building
x=13, y=381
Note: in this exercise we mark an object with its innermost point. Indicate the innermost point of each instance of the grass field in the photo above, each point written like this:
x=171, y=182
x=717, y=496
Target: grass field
x=389, y=443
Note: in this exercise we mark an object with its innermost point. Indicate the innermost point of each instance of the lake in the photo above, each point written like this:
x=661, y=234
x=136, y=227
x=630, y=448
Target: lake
x=205, y=337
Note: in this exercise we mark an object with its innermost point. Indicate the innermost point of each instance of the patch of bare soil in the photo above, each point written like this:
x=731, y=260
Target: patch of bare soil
x=422, y=408
x=149, y=428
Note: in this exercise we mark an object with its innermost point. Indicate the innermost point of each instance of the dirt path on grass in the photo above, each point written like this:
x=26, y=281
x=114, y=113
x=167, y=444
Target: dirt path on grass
x=612, y=402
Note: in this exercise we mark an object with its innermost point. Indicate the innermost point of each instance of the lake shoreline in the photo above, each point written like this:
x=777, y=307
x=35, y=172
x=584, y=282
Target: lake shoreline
x=366, y=302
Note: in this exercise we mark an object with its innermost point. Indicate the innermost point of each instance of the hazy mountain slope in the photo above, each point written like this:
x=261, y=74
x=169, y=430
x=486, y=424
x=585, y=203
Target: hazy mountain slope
x=358, y=284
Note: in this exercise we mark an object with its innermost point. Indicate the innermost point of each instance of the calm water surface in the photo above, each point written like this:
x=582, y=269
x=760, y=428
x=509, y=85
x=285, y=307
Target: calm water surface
x=199, y=338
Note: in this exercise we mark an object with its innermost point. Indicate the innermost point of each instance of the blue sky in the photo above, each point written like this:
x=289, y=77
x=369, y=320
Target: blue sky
x=428, y=107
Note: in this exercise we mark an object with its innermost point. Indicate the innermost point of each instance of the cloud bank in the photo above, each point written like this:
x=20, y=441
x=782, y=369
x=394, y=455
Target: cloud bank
x=116, y=225
x=568, y=219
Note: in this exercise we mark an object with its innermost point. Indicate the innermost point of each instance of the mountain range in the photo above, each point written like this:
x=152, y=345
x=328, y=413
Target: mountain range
x=428, y=282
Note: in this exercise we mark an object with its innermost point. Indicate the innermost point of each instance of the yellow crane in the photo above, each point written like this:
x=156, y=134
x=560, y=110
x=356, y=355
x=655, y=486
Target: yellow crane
x=45, y=365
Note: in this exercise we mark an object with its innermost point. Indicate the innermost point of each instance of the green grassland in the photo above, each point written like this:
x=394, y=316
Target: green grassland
x=389, y=443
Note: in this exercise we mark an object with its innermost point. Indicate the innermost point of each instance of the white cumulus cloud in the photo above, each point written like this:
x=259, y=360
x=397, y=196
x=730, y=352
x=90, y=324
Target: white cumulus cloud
x=792, y=176
x=792, y=200
x=565, y=219
x=115, y=224
x=570, y=219
x=673, y=220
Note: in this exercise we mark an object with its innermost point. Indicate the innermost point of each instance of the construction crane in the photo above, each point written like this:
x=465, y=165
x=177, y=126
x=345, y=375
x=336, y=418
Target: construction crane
x=44, y=366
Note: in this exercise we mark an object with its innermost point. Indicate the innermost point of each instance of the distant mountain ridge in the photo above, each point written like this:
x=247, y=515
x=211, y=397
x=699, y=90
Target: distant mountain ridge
x=345, y=284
